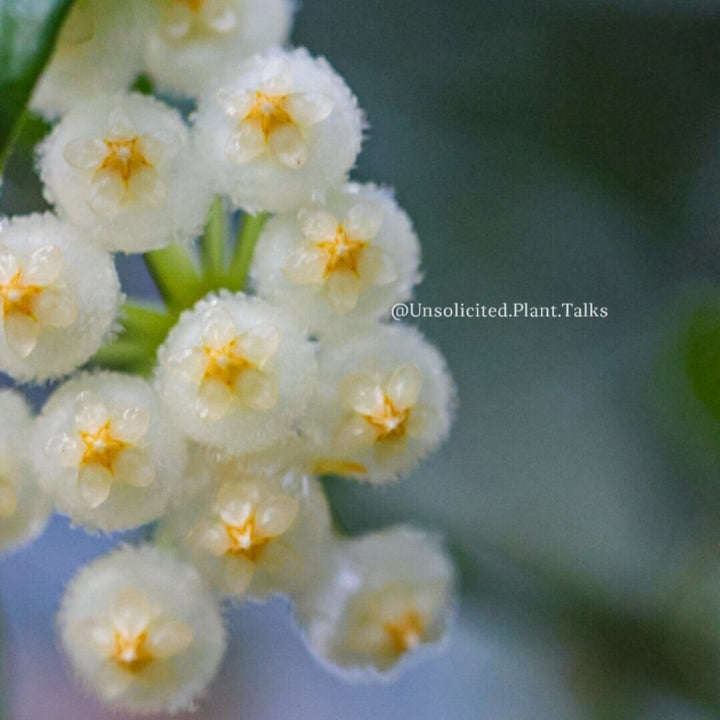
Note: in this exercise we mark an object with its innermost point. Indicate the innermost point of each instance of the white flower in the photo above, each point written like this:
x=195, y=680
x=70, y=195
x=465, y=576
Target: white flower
x=189, y=42
x=120, y=167
x=256, y=530
x=386, y=595
x=236, y=373
x=340, y=263
x=107, y=452
x=281, y=130
x=384, y=402
x=24, y=509
x=59, y=296
x=141, y=630
x=99, y=50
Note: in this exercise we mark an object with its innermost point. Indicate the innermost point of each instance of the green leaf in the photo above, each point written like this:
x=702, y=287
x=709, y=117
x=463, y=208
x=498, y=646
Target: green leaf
x=702, y=356
x=28, y=29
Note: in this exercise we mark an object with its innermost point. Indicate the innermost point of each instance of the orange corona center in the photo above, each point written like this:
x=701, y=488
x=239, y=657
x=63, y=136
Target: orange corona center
x=125, y=158
x=194, y=5
x=405, y=633
x=269, y=113
x=245, y=541
x=342, y=253
x=101, y=447
x=130, y=652
x=224, y=364
x=17, y=298
x=389, y=422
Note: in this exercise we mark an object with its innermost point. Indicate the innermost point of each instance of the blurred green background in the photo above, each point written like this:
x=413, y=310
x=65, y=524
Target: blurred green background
x=548, y=152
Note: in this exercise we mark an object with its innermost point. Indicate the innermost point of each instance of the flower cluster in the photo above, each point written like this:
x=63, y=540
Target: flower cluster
x=273, y=363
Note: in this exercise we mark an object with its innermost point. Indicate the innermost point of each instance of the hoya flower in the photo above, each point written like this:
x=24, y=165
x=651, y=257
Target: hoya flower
x=23, y=509
x=141, y=630
x=107, y=452
x=120, y=167
x=384, y=402
x=98, y=50
x=346, y=261
x=59, y=297
x=280, y=131
x=255, y=530
x=236, y=373
x=188, y=42
x=388, y=594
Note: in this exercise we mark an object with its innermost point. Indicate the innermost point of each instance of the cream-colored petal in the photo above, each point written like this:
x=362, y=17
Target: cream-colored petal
x=93, y=484
x=305, y=265
x=132, y=612
x=308, y=108
x=256, y=389
x=135, y=467
x=276, y=515
x=9, y=265
x=361, y=393
x=236, y=105
x=85, y=154
x=106, y=194
x=235, y=501
x=237, y=574
x=158, y=675
x=219, y=16
x=214, y=400
x=120, y=126
x=8, y=499
x=404, y=385
x=419, y=422
x=367, y=638
x=177, y=21
x=158, y=147
x=363, y=221
x=45, y=266
x=79, y=28
x=357, y=432
x=189, y=363
x=377, y=267
x=90, y=412
x=218, y=327
x=114, y=680
x=147, y=187
x=168, y=638
x=131, y=425
x=277, y=77
x=288, y=145
x=343, y=289
x=98, y=634
x=66, y=450
x=21, y=333
x=245, y=143
x=211, y=536
x=318, y=226
x=55, y=308
x=258, y=344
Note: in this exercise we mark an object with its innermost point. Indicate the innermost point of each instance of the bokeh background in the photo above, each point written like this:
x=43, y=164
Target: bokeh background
x=548, y=151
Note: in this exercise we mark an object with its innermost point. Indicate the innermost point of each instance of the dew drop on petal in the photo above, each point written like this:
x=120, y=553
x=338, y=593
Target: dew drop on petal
x=361, y=393
x=45, y=266
x=256, y=389
x=90, y=412
x=259, y=344
x=85, y=154
x=377, y=267
x=308, y=108
x=357, y=432
x=189, y=363
x=306, y=265
x=289, y=147
x=245, y=143
x=120, y=125
x=363, y=221
x=9, y=265
x=219, y=16
x=135, y=467
x=343, y=289
x=55, y=308
x=131, y=425
x=277, y=77
x=218, y=328
x=277, y=514
x=21, y=333
x=168, y=638
x=67, y=451
x=107, y=191
x=403, y=386
x=211, y=536
x=213, y=400
x=93, y=484
x=318, y=226
x=236, y=105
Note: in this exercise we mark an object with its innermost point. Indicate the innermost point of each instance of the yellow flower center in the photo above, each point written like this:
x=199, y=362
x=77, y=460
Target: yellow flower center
x=131, y=653
x=389, y=422
x=269, y=113
x=225, y=364
x=194, y=5
x=17, y=297
x=101, y=447
x=404, y=633
x=343, y=253
x=124, y=158
x=246, y=540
